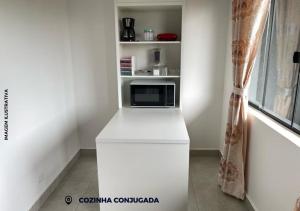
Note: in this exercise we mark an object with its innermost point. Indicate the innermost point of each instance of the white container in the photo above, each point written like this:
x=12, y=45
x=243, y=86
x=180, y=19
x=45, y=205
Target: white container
x=156, y=71
x=151, y=34
x=146, y=35
x=144, y=153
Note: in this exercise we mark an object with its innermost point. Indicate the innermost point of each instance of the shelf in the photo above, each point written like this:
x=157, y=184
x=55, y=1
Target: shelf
x=163, y=17
x=149, y=42
x=150, y=76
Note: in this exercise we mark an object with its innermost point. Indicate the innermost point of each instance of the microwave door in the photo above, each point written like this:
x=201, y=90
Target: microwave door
x=145, y=95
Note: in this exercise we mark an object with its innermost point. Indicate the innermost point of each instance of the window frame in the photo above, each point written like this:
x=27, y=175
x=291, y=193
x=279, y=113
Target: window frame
x=266, y=56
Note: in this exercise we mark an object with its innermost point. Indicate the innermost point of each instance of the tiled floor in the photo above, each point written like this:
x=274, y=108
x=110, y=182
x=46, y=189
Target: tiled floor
x=204, y=194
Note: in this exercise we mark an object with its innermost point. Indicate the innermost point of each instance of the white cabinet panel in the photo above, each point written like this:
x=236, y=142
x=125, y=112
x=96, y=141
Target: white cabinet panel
x=144, y=153
x=144, y=170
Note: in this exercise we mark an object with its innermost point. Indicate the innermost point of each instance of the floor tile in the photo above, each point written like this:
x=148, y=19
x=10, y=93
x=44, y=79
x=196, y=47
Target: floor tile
x=204, y=193
x=192, y=203
x=209, y=197
x=59, y=205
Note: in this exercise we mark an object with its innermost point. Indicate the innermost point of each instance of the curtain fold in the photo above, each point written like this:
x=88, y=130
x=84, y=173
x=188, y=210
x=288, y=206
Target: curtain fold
x=297, y=206
x=287, y=19
x=249, y=20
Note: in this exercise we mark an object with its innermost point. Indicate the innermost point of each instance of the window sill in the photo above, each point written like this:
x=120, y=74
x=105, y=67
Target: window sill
x=285, y=132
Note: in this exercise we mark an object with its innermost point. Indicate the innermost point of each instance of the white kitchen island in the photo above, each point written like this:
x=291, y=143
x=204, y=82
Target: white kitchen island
x=143, y=157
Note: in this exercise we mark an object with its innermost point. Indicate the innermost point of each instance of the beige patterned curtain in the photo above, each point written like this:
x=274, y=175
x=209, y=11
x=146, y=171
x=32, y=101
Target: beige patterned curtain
x=249, y=20
x=297, y=206
x=287, y=21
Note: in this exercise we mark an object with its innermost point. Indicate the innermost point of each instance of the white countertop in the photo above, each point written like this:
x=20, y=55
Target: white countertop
x=145, y=125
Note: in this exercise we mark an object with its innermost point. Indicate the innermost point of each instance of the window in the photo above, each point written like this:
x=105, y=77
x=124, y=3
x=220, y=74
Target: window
x=275, y=86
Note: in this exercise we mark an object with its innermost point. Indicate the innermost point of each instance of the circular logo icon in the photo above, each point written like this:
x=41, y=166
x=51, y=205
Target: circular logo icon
x=68, y=200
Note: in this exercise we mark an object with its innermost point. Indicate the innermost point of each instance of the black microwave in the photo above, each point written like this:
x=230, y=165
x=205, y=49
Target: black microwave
x=148, y=93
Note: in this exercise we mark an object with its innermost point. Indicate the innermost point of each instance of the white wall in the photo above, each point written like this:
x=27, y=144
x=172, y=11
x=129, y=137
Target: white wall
x=94, y=64
x=273, y=167
x=204, y=40
x=35, y=65
x=93, y=48
x=228, y=77
x=273, y=160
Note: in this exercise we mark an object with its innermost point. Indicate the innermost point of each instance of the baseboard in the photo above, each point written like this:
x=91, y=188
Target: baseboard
x=205, y=152
x=249, y=204
x=38, y=204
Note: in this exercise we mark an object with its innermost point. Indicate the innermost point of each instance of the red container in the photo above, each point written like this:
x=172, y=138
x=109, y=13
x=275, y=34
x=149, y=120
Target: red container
x=167, y=37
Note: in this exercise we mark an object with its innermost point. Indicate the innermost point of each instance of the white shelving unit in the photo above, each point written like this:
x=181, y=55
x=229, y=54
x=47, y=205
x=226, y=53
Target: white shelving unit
x=145, y=152
x=163, y=16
